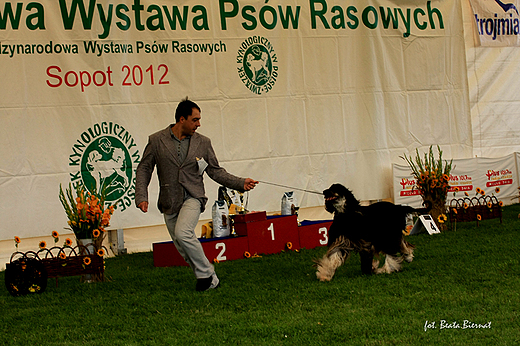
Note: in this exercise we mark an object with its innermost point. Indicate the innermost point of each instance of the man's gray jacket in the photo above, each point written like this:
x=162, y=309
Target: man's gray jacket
x=174, y=177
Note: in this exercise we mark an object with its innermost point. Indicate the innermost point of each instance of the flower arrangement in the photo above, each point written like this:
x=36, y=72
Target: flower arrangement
x=87, y=213
x=432, y=177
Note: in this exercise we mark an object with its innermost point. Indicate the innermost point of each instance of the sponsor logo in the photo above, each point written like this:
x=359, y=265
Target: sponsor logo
x=507, y=7
x=498, y=26
x=257, y=64
x=103, y=157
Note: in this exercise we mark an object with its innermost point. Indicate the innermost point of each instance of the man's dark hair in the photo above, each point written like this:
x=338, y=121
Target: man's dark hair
x=184, y=109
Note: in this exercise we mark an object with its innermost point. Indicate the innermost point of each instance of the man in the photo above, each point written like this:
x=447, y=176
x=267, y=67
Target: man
x=182, y=156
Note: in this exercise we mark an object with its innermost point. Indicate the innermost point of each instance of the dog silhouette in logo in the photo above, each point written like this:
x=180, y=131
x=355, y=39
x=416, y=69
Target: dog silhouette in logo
x=506, y=7
x=258, y=67
x=111, y=165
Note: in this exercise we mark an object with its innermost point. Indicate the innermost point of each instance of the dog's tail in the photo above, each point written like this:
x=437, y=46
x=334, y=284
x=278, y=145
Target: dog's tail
x=420, y=211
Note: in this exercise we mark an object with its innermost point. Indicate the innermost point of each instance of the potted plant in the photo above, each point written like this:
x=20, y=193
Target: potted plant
x=88, y=215
x=432, y=177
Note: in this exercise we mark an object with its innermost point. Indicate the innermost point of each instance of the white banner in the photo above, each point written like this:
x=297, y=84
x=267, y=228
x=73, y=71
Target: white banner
x=303, y=94
x=495, y=176
x=497, y=22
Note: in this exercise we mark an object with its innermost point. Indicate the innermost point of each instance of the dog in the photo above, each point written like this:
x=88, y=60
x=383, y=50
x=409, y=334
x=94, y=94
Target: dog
x=371, y=231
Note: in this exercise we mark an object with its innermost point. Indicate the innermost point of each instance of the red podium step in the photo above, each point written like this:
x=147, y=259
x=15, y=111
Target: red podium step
x=271, y=235
x=165, y=254
x=314, y=233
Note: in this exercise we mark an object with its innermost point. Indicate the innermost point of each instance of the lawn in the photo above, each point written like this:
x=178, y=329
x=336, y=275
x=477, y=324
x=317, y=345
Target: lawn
x=461, y=289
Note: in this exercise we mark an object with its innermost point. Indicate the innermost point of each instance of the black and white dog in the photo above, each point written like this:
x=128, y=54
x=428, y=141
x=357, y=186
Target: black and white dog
x=372, y=230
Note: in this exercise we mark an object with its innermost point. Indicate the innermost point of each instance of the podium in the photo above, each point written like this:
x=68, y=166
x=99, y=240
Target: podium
x=256, y=233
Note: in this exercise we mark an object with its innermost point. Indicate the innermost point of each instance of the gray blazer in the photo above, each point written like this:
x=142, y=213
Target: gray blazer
x=174, y=176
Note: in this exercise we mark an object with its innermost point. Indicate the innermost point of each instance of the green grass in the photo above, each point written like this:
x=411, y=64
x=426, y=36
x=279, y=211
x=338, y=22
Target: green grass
x=468, y=274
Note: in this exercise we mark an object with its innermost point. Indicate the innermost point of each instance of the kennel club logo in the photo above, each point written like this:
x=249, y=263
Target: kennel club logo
x=257, y=64
x=103, y=157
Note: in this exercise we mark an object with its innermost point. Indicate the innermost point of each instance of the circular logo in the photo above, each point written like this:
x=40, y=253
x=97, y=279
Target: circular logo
x=104, y=158
x=257, y=64
x=106, y=166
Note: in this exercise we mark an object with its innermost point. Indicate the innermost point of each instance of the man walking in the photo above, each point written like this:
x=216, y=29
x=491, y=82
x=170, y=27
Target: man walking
x=182, y=156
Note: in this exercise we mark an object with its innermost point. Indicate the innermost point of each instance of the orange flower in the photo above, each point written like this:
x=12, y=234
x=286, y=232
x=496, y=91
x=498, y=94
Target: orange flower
x=101, y=252
x=445, y=177
x=489, y=204
x=478, y=190
x=87, y=261
x=215, y=260
x=55, y=234
x=497, y=189
x=482, y=192
x=289, y=245
x=96, y=233
x=68, y=242
x=456, y=189
x=454, y=211
x=501, y=203
x=442, y=218
x=17, y=240
x=62, y=255
x=465, y=193
x=466, y=206
x=43, y=244
x=479, y=217
x=247, y=254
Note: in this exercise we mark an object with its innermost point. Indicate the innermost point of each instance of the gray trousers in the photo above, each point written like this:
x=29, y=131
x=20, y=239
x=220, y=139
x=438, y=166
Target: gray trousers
x=181, y=227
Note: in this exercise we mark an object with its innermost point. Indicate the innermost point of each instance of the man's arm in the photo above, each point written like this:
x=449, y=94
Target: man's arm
x=143, y=175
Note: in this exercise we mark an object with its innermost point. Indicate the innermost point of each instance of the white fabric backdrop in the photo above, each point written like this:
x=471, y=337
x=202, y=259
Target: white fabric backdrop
x=346, y=103
x=493, y=78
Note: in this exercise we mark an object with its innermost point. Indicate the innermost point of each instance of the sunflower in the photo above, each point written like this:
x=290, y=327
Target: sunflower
x=479, y=217
x=466, y=194
x=68, y=242
x=442, y=218
x=501, y=203
x=16, y=241
x=489, y=204
x=454, y=211
x=87, y=261
x=247, y=254
x=478, y=190
x=289, y=245
x=43, y=244
x=497, y=189
x=466, y=206
x=55, y=234
x=63, y=256
x=96, y=233
x=482, y=192
x=456, y=189
x=101, y=252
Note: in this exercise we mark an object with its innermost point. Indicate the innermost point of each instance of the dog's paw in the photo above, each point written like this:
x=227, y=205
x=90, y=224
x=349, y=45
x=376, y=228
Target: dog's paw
x=322, y=277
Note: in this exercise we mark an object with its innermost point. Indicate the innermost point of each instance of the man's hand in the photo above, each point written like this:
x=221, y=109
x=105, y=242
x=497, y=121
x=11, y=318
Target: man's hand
x=143, y=206
x=249, y=184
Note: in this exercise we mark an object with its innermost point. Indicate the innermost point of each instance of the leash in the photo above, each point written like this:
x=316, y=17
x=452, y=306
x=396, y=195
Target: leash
x=289, y=187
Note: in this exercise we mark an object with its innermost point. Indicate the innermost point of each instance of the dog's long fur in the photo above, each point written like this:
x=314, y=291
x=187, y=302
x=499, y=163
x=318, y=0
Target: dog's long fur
x=371, y=231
